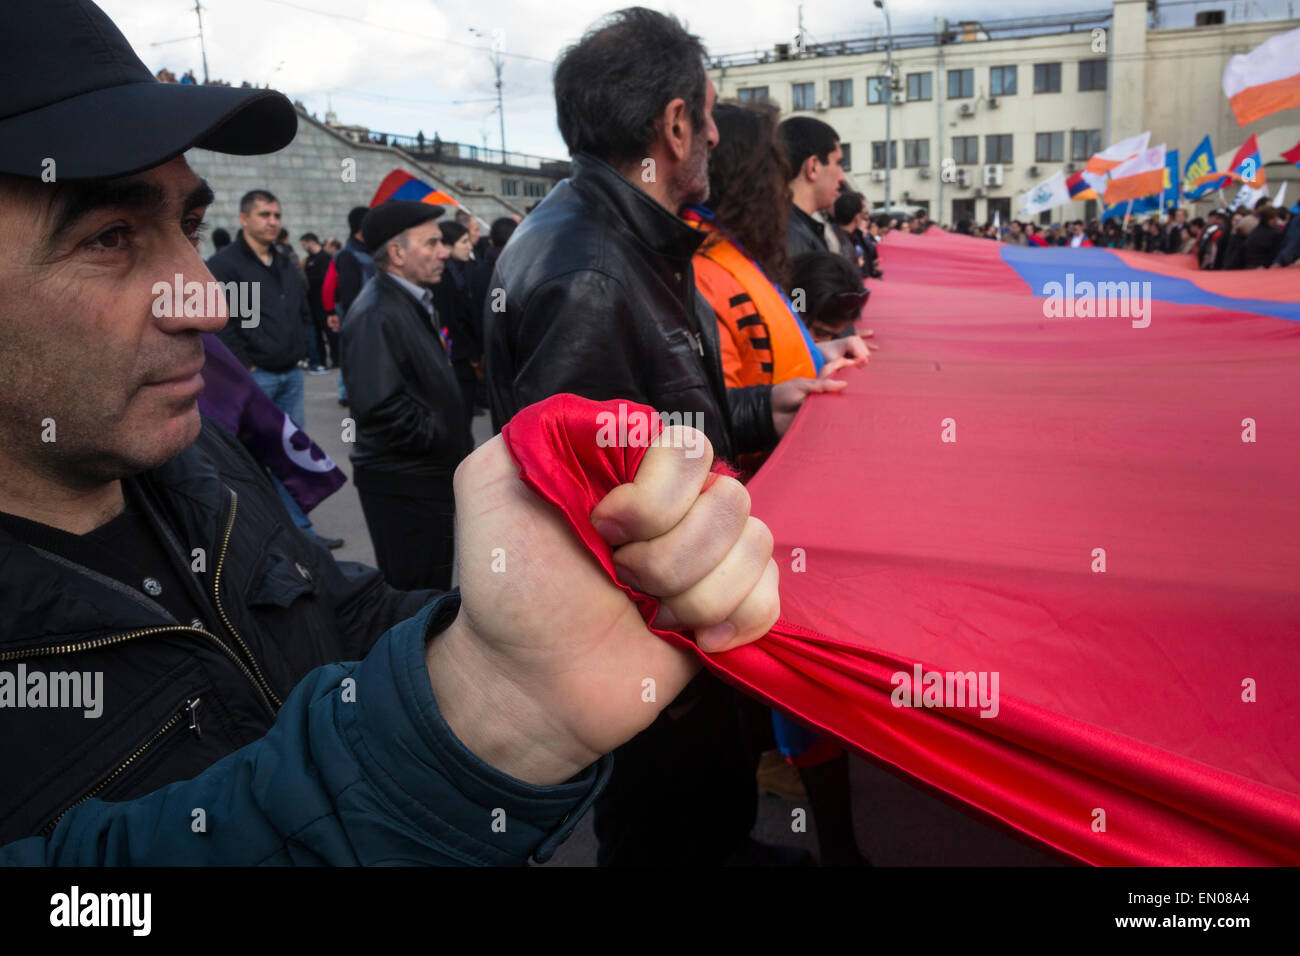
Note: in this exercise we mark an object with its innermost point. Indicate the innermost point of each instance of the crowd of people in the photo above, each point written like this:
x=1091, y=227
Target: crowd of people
x=1266, y=236
x=723, y=291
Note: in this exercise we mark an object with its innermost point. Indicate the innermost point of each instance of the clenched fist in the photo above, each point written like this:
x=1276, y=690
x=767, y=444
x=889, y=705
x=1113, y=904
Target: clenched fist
x=542, y=670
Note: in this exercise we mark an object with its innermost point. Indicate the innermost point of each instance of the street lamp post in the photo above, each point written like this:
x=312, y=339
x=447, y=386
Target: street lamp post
x=889, y=97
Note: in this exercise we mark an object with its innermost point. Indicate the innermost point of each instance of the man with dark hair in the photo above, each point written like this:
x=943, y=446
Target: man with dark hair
x=220, y=239
x=815, y=156
x=315, y=267
x=272, y=343
x=353, y=267
x=921, y=222
x=596, y=296
x=316, y=714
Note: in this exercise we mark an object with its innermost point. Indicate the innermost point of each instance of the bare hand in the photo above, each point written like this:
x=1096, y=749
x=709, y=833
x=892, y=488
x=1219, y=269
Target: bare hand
x=332, y=320
x=788, y=397
x=545, y=668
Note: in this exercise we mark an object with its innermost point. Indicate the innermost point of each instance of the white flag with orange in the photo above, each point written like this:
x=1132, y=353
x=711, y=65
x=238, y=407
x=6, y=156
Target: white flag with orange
x=1265, y=80
x=1143, y=175
x=1112, y=156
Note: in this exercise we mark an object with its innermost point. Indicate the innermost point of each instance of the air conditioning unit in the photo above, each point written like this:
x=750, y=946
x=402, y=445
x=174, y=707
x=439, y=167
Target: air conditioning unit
x=821, y=106
x=963, y=178
x=900, y=99
x=979, y=194
x=966, y=110
x=993, y=175
x=877, y=175
x=1033, y=172
x=1070, y=167
x=993, y=102
x=924, y=172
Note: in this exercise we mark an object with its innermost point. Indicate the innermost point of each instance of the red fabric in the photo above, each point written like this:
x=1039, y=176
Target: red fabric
x=1119, y=691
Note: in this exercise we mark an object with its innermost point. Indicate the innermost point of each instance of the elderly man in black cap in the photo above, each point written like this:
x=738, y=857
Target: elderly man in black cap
x=147, y=557
x=406, y=400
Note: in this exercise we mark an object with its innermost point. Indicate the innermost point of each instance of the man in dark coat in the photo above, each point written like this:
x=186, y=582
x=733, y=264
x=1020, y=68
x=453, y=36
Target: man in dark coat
x=315, y=267
x=815, y=156
x=247, y=700
x=412, y=430
x=597, y=297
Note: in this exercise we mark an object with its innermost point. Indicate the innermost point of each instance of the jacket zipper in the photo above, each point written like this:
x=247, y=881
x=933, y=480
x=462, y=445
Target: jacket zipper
x=263, y=683
x=190, y=709
x=99, y=642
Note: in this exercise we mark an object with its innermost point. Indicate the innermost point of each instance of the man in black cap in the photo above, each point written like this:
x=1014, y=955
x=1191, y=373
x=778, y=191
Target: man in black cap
x=410, y=420
x=148, y=560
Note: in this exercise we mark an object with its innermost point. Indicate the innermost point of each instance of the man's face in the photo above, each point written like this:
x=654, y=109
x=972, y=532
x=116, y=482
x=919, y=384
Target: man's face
x=829, y=176
x=311, y=247
x=425, y=255
x=691, y=178
x=474, y=233
x=81, y=339
x=1015, y=228
x=262, y=222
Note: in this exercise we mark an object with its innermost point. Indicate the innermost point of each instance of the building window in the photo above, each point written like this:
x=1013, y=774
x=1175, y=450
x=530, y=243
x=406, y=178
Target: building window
x=752, y=94
x=961, y=84
x=1047, y=77
x=533, y=189
x=997, y=148
x=803, y=96
x=1002, y=81
x=1092, y=75
x=1045, y=217
x=877, y=89
x=1084, y=143
x=878, y=154
x=1209, y=18
x=965, y=150
x=1090, y=210
x=510, y=187
x=841, y=92
x=846, y=161
x=1002, y=205
x=916, y=152
x=963, y=209
x=919, y=86
x=1049, y=147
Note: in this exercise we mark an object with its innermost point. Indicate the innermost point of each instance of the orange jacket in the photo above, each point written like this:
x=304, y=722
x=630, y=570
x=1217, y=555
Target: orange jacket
x=761, y=338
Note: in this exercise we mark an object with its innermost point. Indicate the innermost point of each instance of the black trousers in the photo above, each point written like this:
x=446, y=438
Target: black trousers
x=414, y=538
x=682, y=791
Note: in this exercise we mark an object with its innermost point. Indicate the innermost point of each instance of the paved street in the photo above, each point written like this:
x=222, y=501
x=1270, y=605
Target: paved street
x=897, y=823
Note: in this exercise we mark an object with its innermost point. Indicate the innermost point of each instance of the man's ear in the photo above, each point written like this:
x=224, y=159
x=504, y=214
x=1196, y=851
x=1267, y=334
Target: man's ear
x=676, y=127
x=811, y=167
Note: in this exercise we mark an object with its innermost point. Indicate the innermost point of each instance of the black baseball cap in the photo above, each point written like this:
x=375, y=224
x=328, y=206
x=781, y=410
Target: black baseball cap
x=72, y=90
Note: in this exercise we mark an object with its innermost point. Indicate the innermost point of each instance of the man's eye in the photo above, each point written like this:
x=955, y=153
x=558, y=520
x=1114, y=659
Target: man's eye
x=194, y=228
x=115, y=238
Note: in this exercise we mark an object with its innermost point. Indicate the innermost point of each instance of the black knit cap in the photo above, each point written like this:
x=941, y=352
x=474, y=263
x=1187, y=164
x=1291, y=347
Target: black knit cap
x=393, y=217
x=72, y=90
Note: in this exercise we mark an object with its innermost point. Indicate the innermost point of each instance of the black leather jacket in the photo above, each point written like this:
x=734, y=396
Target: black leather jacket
x=274, y=605
x=402, y=392
x=600, y=301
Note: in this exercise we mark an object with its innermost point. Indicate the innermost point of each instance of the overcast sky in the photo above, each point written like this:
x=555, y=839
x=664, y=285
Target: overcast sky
x=400, y=66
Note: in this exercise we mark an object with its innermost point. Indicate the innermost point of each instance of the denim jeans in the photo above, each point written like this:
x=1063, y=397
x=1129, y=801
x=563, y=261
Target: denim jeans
x=286, y=390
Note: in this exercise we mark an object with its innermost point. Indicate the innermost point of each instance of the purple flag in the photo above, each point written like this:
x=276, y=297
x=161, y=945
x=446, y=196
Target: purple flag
x=232, y=398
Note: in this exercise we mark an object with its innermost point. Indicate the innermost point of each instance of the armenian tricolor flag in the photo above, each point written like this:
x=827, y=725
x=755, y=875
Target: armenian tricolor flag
x=399, y=184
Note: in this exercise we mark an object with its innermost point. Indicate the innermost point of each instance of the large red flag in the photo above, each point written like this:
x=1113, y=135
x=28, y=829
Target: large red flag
x=1087, y=527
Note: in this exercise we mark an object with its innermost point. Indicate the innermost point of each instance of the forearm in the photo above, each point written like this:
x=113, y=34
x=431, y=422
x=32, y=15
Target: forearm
x=360, y=768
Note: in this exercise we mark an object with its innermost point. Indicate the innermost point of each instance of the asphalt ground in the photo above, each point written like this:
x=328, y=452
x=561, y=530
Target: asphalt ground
x=897, y=823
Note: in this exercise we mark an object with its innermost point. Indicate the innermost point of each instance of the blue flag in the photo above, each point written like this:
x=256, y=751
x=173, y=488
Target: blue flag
x=1173, y=185
x=1200, y=162
x=1139, y=207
